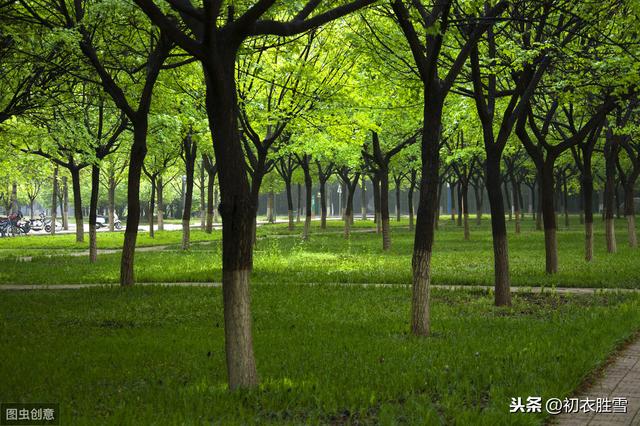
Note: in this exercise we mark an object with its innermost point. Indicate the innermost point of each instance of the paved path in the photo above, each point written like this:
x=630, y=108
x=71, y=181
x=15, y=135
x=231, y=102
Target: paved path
x=621, y=379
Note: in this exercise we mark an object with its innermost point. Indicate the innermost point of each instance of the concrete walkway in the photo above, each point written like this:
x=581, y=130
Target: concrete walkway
x=621, y=379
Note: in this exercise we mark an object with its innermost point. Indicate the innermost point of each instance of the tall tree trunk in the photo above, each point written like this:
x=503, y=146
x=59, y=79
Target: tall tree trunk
x=549, y=216
x=299, y=200
x=238, y=213
x=427, y=211
x=478, y=192
x=539, y=209
x=160, y=202
x=507, y=195
x=54, y=200
x=287, y=184
x=516, y=202
x=498, y=229
x=348, y=212
x=93, y=209
x=611, y=155
x=77, y=204
x=190, y=153
x=630, y=215
x=587, y=204
x=465, y=208
x=308, y=203
x=617, y=192
x=376, y=203
x=452, y=196
x=210, y=201
x=152, y=201
x=411, y=212
x=270, y=202
x=384, y=209
x=112, y=200
x=203, y=210
x=65, y=204
x=565, y=201
x=397, y=203
x=323, y=204
x=363, y=198
x=460, y=206
x=136, y=160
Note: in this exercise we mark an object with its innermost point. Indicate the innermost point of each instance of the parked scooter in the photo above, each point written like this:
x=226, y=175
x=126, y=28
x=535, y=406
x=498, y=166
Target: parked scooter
x=44, y=223
x=103, y=222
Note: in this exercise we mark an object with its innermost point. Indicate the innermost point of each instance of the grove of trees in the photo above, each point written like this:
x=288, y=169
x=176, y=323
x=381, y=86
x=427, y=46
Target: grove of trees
x=152, y=109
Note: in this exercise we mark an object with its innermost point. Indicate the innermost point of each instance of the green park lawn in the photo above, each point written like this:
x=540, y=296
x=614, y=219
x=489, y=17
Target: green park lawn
x=326, y=354
x=282, y=257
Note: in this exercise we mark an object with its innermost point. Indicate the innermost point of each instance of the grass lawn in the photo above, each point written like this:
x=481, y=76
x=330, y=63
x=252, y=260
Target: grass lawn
x=282, y=257
x=325, y=354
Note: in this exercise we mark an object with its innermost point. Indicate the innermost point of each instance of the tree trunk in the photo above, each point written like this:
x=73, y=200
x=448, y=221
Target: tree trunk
x=270, y=202
x=611, y=154
x=384, y=209
x=238, y=213
x=348, y=211
x=460, y=206
x=136, y=160
x=299, y=201
x=152, y=206
x=77, y=204
x=54, y=200
x=499, y=230
x=190, y=152
x=112, y=200
x=210, y=201
x=287, y=184
x=65, y=204
x=363, y=198
x=411, y=212
x=397, y=203
x=376, y=203
x=479, y=201
x=465, y=208
x=93, y=208
x=587, y=205
x=539, y=209
x=565, y=201
x=508, y=198
x=617, y=192
x=549, y=215
x=308, y=203
x=160, y=202
x=203, y=211
x=427, y=211
x=516, y=203
x=452, y=195
x=323, y=204
x=630, y=215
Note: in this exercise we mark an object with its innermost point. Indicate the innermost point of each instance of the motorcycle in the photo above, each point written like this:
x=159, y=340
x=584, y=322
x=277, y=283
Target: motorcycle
x=103, y=222
x=14, y=225
x=44, y=223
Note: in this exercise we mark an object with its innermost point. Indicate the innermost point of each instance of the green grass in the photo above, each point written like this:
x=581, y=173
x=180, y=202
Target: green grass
x=282, y=257
x=329, y=355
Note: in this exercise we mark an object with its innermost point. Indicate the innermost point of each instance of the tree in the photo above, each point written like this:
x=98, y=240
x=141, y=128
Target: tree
x=427, y=60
